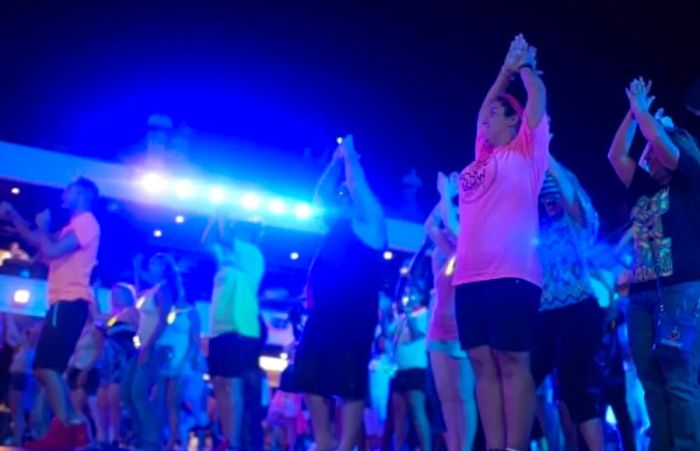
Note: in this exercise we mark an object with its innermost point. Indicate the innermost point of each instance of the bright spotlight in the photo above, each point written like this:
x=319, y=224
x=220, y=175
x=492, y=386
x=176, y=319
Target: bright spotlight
x=250, y=201
x=157, y=233
x=303, y=211
x=153, y=183
x=294, y=256
x=217, y=195
x=179, y=219
x=15, y=191
x=21, y=297
x=339, y=140
x=184, y=189
x=388, y=255
x=275, y=364
x=277, y=207
x=404, y=270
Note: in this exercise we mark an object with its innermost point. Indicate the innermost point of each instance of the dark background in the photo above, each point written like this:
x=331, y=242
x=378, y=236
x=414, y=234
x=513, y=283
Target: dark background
x=406, y=78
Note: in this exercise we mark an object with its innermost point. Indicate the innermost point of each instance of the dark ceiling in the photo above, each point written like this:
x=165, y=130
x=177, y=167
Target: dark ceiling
x=405, y=77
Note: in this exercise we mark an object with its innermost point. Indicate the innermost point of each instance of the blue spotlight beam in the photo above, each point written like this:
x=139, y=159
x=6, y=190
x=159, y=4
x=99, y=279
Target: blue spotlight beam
x=189, y=196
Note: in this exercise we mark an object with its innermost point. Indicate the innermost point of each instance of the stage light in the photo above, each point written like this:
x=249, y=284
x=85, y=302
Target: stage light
x=388, y=255
x=15, y=191
x=405, y=300
x=284, y=356
x=153, y=183
x=137, y=341
x=274, y=364
x=206, y=377
x=303, y=211
x=294, y=256
x=339, y=140
x=277, y=207
x=157, y=233
x=217, y=195
x=184, y=189
x=404, y=270
x=250, y=201
x=179, y=219
x=21, y=297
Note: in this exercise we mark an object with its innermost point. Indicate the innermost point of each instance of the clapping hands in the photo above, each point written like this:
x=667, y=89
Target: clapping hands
x=638, y=95
x=520, y=53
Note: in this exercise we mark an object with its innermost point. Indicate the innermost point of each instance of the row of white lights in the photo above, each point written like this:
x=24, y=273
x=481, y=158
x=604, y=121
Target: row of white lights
x=156, y=184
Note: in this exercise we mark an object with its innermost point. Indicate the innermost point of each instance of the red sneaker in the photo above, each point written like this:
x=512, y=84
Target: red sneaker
x=80, y=435
x=57, y=437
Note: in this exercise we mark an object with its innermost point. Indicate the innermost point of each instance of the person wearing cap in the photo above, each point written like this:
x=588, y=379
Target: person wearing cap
x=498, y=276
x=664, y=188
x=570, y=323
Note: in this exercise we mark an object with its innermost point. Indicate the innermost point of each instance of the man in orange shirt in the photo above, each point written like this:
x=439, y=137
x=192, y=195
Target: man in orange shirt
x=71, y=256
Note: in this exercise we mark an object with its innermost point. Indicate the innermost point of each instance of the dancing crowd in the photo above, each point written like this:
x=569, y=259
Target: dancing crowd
x=516, y=326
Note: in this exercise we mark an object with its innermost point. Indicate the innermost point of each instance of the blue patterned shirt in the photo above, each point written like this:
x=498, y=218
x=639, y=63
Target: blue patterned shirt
x=564, y=245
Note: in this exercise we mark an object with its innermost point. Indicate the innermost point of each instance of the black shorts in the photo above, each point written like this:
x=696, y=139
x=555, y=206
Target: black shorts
x=63, y=325
x=498, y=313
x=232, y=355
x=92, y=382
x=414, y=379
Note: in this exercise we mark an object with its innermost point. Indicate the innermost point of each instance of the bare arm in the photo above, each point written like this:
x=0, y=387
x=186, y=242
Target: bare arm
x=195, y=331
x=436, y=234
x=665, y=150
x=23, y=227
x=569, y=191
x=371, y=213
x=52, y=249
x=327, y=185
x=619, y=153
x=536, y=106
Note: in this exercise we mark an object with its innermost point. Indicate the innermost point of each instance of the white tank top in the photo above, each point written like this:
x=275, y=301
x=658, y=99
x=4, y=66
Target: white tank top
x=149, y=314
x=176, y=333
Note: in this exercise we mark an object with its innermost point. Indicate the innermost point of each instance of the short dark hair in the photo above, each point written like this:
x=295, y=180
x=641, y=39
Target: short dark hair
x=88, y=187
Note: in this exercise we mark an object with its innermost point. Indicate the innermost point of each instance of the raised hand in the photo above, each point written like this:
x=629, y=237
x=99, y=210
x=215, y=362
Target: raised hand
x=346, y=149
x=517, y=54
x=638, y=95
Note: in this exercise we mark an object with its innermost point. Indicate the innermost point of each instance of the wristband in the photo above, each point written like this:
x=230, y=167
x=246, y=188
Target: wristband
x=526, y=66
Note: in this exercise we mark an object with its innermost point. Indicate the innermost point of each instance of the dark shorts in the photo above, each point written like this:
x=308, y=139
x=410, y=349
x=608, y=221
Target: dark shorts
x=118, y=353
x=498, y=313
x=91, y=384
x=232, y=355
x=333, y=356
x=414, y=379
x=63, y=325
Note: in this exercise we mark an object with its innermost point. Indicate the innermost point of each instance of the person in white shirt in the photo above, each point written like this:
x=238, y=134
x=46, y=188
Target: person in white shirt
x=234, y=346
x=409, y=384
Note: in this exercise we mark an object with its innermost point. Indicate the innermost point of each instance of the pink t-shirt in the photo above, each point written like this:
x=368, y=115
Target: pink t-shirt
x=443, y=321
x=69, y=276
x=498, y=195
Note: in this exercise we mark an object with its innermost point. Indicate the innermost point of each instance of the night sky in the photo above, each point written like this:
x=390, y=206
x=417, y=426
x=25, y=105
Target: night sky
x=406, y=78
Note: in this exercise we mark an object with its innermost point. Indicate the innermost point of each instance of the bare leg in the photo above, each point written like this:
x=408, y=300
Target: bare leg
x=173, y=408
x=57, y=394
x=352, y=413
x=416, y=401
x=399, y=406
x=115, y=412
x=229, y=398
x=570, y=436
x=17, y=412
x=593, y=434
x=102, y=422
x=320, y=409
x=489, y=396
x=519, y=399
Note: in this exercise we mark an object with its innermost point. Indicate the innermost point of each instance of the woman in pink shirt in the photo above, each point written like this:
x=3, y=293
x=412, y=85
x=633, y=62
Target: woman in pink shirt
x=498, y=276
x=453, y=374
